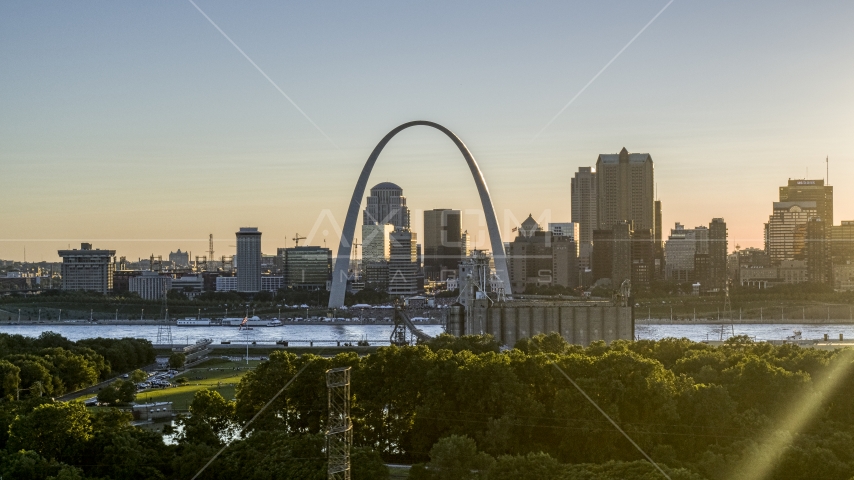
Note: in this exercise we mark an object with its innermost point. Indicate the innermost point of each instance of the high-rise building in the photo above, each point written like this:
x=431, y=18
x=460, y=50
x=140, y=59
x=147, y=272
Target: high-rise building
x=566, y=229
x=602, y=260
x=403, y=263
x=621, y=266
x=786, y=230
x=718, y=246
x=442, y=243
x=386, y=205
x=583, y=206
x=817, y=251
x=658, y=243
x=625, y=190
x=540, y=258
x=248, y=260
x=87, y=269
x=803, y=190
x=811, y=191
x=643, y=258
x=842, y=242
x=465, y=243
x=307, y=267
x=375, y=243
x=679, y=252
x=842, y=252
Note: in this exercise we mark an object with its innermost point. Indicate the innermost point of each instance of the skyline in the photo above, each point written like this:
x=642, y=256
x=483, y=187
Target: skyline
x=133, y=126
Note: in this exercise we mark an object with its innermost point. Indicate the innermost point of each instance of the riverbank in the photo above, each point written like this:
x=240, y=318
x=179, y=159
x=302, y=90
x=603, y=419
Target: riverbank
x=237, y=350
x=125, y=323
x=744, y=321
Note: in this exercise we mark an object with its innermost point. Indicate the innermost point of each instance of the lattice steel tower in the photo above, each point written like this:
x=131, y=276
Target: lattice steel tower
x=339, y=429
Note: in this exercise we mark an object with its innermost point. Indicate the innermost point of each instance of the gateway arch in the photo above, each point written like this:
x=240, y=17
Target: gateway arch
x=342, y=260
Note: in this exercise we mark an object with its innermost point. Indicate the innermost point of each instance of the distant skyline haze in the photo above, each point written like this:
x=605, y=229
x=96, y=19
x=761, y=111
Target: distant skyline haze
x=143, y=127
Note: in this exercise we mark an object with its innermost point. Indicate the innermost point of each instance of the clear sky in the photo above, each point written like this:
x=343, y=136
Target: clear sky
x=139, y=127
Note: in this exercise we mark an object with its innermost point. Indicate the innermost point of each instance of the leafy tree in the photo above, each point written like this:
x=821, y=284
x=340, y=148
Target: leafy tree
x=10, y=379
x=74, y=370
x=456, y=458
x=533, y=466
x=117, y=393
x=268, y=454
x=53, y=430
x=263, y=296
x=27, y=464
x=542, y=343
x=367, y=464
x=471, y=343
x=127, y=453
x=138, y=376
x=177, y=360
x=211, y=419
x=34, y=370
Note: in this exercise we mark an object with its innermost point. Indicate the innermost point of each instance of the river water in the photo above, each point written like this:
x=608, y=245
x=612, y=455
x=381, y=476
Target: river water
x=299, y=335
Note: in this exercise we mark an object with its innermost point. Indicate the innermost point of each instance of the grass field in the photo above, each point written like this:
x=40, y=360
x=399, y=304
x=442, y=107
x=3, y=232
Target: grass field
x=215, y=374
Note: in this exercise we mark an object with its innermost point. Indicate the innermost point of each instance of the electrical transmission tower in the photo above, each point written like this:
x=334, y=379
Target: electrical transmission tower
x=164, y=329
x=339, y=429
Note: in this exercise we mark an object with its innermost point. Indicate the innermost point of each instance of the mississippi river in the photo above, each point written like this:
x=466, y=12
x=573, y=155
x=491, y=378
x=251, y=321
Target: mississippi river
x=379, y=334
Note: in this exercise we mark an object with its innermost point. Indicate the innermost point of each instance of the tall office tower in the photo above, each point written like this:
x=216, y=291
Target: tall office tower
x=679, y=253
x=306, y=268
x=786, y=230
x=658, y=243
x=602, y=259
x=386, y=204
x=465, y=243
x=817, y=251
x=621, y=268
x=540, y=258
x=811, y=191
x=717, y=254
x=442, y=243
x=842, y=242
x=403, y=263
x=87, y=269
x=643, y=258
x=625, y=190
x=842, y=253
x=375, y=244
x=584, y=200
x=566, y=229
x=701, y=256
x=248, y=260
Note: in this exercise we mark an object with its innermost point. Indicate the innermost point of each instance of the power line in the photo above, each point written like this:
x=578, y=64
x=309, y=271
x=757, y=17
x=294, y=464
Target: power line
x=253, y=418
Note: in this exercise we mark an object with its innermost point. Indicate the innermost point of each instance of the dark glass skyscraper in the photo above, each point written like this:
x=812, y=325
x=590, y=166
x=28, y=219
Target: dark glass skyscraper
x=442, y=243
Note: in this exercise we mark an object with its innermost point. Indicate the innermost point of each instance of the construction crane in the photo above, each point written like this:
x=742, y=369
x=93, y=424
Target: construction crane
x=356, y=245
x=296, y=239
